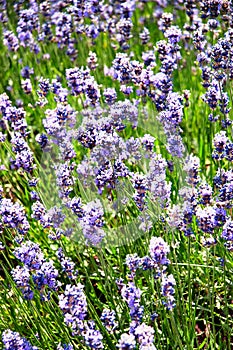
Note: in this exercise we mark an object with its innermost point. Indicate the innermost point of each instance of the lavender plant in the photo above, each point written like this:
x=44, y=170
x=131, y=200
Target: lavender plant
x=116, y=180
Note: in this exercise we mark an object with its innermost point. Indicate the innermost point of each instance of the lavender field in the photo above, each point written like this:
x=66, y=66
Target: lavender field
x=116, y=193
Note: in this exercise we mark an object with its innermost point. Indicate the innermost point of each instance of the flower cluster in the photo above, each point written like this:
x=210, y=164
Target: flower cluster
x=139, y=332
x=108, y=318
x=223, y=147
x=39, y=213
x=145, y=337
x=65, y=347
x=227, y=234
x=127, y=341
x=68, y=266
x=21, y=276
x=157, y=262
x=11, y=41
x=23, y=154
x=43, y=272
x=81, y=82
x=12, y=215
x=92, y=221
x=13, y=341
x=74, y=306
x=167, y=287
x=132, y=295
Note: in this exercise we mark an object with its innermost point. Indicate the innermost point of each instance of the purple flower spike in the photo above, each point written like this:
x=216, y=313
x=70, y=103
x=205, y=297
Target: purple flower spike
x=159, y=249
x=13, y=341
x=127, y=342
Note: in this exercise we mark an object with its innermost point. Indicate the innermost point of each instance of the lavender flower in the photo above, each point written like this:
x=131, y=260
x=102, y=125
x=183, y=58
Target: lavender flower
x=16, y=117
x=220, y=216
x=42, y=139
x=30, y=255
x=56, y=216
x=74, y=306
x=64, y=347
x=148, y=142
x=13, y=216
x=123, y=35
x=63, y=25
x=140, y=185
x=208, y=241
x=2, y=137
x=92, y=221
x=159, y=249
x=127, y=90
x=213, y=95
x=5, y=103
x=222, y=177
x=192, y=167
x=122, y=68
x=149, y=58
x=126, y=342
x=144, y=36
x=28, y=21
x=227, y=232
x=39, y=213
x=13, y=341
x=24, y=160
x=23, y=155
x=159, y=188
x=206, y=219
x=75, y=204
x=81, y=81
x=64, y=179
x=92, y=60
x=205, y=192
x=92, y=337
x=3, y=15
x=163, y=82
x=147, y=263
x=222, y=146
x=57, y=119
x=133, y=149
x=125, y=111
x=173, y=34
x=34, y=196
x=46, y=275
x=132, y=295
x=11, y=41
x=175, y=145
x=226, y=194
x=68, y=266
x=165, y=21
x=133, y=261
x=168, y=54
x=145, y=337
x=110, y=95
x=92, y=31
x=26, y=86
x=126, y=9
x=26, y=72
x=167, y=286
x=108, y=318
x=21, y=276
